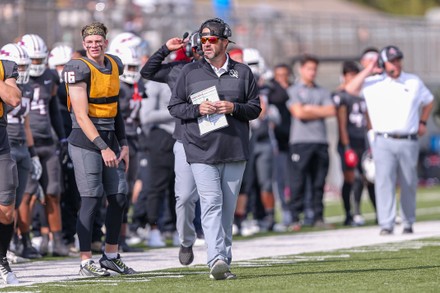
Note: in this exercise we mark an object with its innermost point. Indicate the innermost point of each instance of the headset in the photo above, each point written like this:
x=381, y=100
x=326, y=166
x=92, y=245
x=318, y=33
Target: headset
x=194, y=42
x=226, y=33
x=382, y=58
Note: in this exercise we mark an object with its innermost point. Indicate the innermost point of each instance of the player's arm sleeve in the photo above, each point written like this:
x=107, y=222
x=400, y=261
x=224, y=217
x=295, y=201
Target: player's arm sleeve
x=154, y=69
x=120, y=128
x=55, y=118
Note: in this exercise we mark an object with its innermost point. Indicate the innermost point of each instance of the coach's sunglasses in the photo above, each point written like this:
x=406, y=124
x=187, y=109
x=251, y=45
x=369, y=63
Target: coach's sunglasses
x=211, y=40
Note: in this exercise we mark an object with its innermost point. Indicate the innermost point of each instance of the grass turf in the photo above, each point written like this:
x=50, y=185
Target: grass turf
x=411, y=266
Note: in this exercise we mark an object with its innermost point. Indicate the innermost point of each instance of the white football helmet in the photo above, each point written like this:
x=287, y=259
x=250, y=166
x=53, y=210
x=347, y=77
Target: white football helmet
x=18, y=54
x=60, y=55
x=126, y=39
x=36, y=49
x=367, y=164
x=131, y=61
x=254, y=60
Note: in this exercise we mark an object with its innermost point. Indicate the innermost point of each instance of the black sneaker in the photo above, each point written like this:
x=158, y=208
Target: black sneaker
x=385, y=232
x=90, y=269
x=407, y=230
x=30, y=252
x=186, y=255
x=8, y=276
x=115, y=265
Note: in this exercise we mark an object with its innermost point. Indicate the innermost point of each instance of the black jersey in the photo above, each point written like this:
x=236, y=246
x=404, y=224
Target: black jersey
x=130, y=97
x=17, y=115
x=356, y=110
x=8, y=69
x=40, y=113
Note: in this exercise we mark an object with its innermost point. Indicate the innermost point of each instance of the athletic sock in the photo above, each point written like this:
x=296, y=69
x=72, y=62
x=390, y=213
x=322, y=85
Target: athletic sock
x=111, y=255
x=6, y=232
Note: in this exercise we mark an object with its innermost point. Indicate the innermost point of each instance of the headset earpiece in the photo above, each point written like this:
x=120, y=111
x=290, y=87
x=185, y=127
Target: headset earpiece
x=227, y=33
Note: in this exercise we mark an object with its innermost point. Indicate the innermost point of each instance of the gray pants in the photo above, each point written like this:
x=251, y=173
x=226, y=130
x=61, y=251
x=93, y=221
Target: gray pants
x=93, y=178
x=22, y=158
x=8, y=180
x=186, y=196
x=395, y=161
x=218, y=187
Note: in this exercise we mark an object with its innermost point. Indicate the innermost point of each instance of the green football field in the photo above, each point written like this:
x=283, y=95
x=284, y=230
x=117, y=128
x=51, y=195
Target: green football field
x=412, y=266
x=408, y=266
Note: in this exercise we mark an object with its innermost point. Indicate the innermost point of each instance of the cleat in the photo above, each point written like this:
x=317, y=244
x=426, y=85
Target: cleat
x=385, y=232
x=92, y=270
x=115, y=265
x=186, y=255
x=30, y=253
x=7, y=275
x=219, y=269
x=358, y=220
x=155, y=239
x=407, y=230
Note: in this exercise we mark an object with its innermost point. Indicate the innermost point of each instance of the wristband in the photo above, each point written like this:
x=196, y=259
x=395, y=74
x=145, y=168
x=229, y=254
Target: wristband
x=422, y=122
x=100, y=143
x=32, y=151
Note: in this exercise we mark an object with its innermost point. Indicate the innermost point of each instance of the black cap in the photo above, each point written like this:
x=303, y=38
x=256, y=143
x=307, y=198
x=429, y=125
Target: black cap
x=217, y=27
x=390, y=53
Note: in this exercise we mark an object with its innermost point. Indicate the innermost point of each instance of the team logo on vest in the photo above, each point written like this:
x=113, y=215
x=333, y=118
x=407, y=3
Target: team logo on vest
x=233, y=73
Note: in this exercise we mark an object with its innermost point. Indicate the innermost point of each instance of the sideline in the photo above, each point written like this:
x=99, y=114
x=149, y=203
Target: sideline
x=271, y=246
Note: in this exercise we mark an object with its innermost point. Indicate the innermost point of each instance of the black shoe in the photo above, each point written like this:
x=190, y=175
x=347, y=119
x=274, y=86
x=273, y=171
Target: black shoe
x=186, y=255
x=124, y=247
x=90, y=269
x=30, y=252
x=348, y=221
x=408, y=230
x=115, y=265
x=385, y=232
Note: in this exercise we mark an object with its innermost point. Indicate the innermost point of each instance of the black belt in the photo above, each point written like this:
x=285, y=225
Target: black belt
x=412, y=136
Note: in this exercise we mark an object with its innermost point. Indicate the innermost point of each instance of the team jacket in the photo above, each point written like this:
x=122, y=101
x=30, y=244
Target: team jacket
x=8, y=69
x=237, y=85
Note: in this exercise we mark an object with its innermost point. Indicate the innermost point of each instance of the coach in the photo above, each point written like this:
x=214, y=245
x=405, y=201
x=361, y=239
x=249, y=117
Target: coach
x=217, y=158
x=394, y=100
